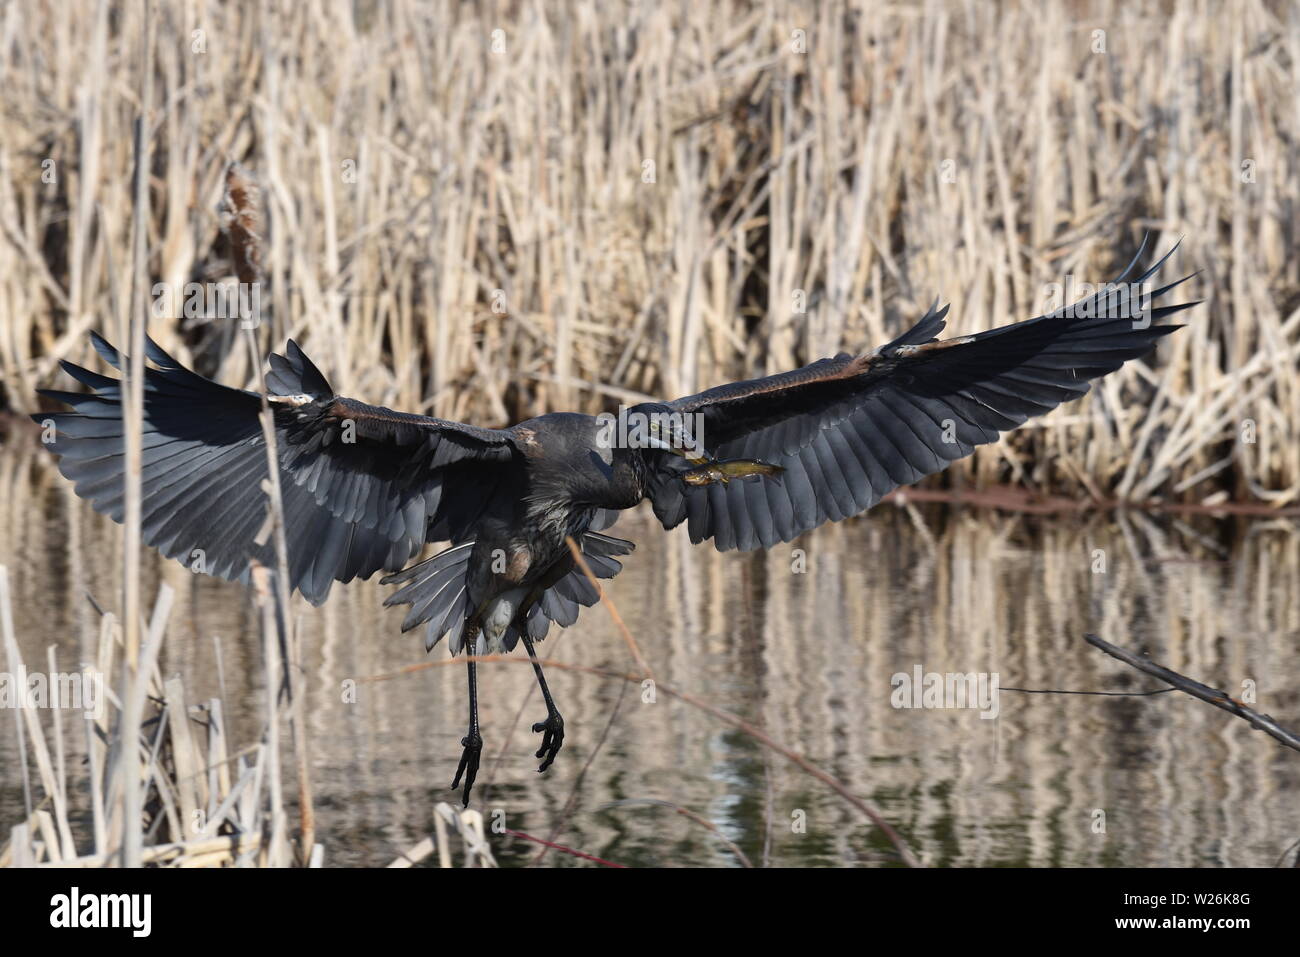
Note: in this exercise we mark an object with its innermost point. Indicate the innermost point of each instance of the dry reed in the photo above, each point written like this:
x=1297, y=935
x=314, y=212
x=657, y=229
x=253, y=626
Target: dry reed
x=203, y=802
x=489, y=211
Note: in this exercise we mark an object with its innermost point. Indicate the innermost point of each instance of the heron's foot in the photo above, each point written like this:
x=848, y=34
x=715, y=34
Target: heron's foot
x=552, y=738
x=473, y=746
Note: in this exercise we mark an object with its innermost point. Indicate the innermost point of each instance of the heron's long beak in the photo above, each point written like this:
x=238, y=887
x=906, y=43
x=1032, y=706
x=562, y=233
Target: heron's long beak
x=675, y=445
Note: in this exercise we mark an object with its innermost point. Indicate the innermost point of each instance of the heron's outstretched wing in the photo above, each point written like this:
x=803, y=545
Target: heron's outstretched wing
x=363, y=487
x=850, y=429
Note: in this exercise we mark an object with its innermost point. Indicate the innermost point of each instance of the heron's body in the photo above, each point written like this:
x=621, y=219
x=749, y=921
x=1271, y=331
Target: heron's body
x=556, y=485
x=366, y=488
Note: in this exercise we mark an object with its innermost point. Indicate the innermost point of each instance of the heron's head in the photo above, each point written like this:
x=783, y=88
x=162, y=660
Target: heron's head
x=660, y=427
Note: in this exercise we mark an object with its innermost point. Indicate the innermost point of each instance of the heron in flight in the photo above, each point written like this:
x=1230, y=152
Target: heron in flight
x=747, y=465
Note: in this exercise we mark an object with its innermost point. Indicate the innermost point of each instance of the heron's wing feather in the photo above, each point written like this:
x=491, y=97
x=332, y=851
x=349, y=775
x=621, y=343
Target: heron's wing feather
x=849, y=430
x=363, y=487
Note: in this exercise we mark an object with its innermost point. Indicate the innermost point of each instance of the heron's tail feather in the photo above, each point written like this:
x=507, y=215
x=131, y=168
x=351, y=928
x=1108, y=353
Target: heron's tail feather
x=437, y=591
x=560, y=603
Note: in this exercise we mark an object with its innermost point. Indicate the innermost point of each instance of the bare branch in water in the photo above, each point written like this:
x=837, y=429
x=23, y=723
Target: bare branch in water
x=1220, y=699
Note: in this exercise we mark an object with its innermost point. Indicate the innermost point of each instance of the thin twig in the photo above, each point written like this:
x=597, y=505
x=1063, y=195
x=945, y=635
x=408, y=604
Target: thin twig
x=551, y=845
x=611, y=608
x=571, y=804
x=1220, y=699
x=689, y=815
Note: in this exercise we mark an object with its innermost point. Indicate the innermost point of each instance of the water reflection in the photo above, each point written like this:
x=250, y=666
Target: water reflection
x=805, y=655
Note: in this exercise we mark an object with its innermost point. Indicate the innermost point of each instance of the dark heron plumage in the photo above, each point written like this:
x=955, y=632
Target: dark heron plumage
x=365, y=488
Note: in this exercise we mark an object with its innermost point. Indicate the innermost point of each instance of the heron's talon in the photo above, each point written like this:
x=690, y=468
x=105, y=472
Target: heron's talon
x=473, y=745
x=552, y=731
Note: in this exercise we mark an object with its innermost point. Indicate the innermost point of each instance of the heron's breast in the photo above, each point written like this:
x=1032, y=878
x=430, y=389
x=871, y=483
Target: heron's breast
x=500, y=612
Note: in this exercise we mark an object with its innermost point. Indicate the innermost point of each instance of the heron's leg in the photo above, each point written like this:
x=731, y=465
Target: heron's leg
x=553, y=726
x=472, y=743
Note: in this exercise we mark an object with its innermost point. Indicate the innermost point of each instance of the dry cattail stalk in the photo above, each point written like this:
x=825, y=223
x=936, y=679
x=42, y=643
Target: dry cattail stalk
x=243, y=222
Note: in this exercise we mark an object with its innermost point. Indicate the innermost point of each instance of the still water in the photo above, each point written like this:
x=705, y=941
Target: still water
x=800, y=643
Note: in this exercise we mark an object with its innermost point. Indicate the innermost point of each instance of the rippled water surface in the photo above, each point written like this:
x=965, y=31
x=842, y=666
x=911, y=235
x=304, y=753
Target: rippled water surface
x=802, y=644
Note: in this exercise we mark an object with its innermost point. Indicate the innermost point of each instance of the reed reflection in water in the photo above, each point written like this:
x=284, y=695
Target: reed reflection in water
x=800, y=643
